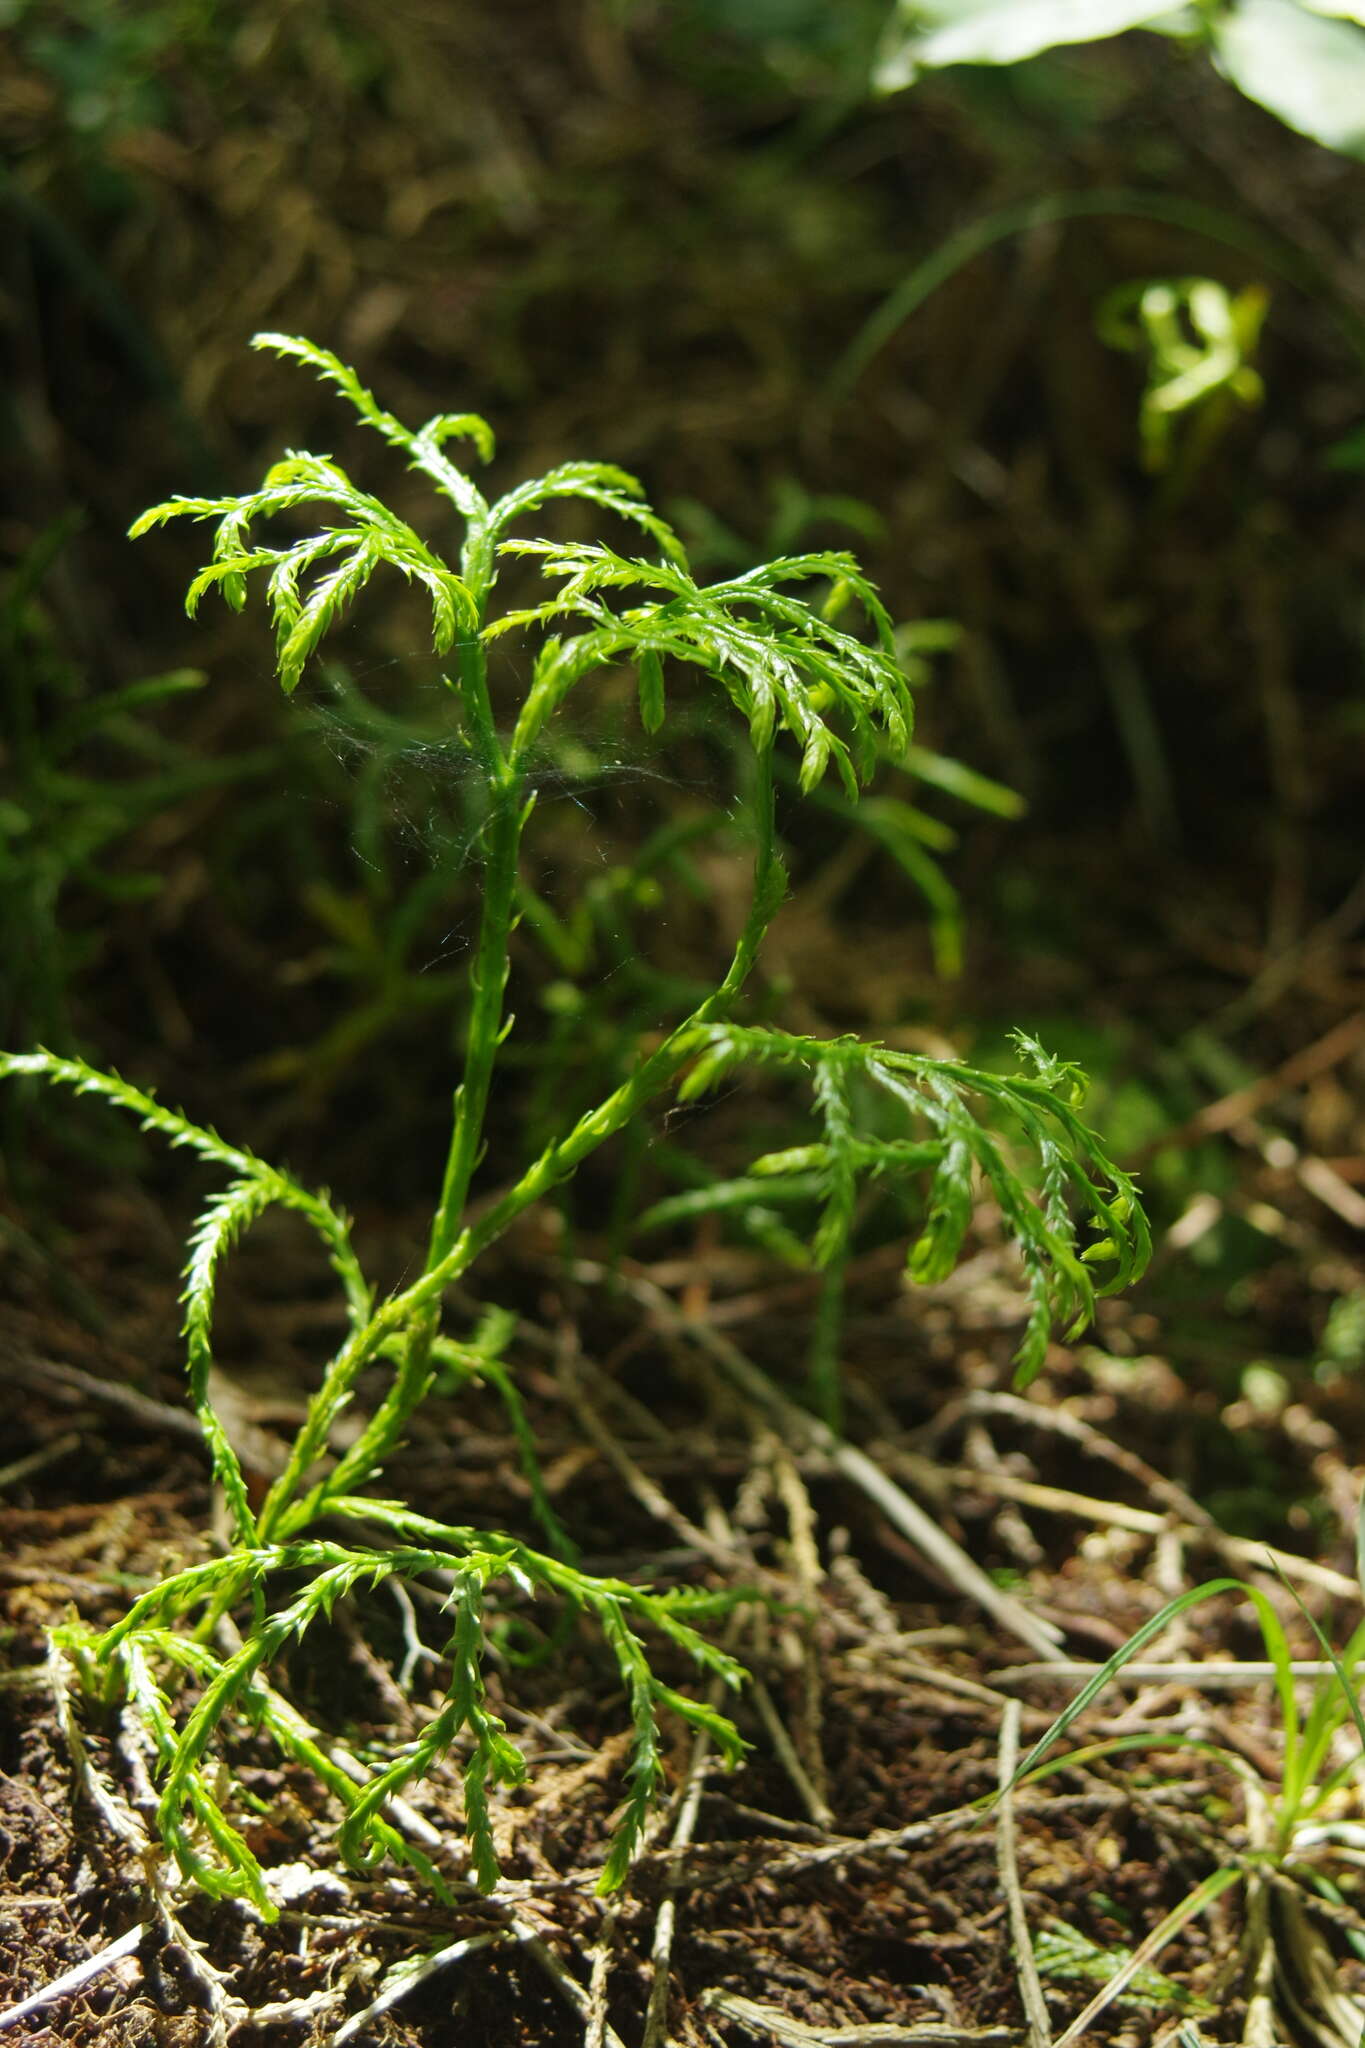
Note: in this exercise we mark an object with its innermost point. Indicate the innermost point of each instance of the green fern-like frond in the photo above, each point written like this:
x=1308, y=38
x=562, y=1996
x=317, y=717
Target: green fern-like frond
x=425, y=444
x=256, y=1187
x=610, y=1602
x=340, y=560
x=78, y=1075
x=495, y=1758
x=782, y=663
x=740, y=1194
x=785, y=663
x=598, y=483
x=644, y=1773
x=1071, y=1175
x=191, y=1814
x=773, y=642
x=830, y=1087
x=333, y=371
x=646, y=1694
x=330, y=1223
x=217, y=1230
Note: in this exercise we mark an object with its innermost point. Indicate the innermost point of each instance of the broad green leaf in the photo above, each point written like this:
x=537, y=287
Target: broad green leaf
x=929, y=36
x=1300, y=65
x=1340, y=10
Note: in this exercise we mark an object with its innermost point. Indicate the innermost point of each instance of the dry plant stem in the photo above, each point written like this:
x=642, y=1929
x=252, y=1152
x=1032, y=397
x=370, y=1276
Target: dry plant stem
x=595, y=2032
x=1321, y=1180
x=801, y=1637
x=1342, y=2024
x=893, y=1671
x=1061, y=1422
x=638, y=1483
x=49, y=1375
x=1259, y=2028
x=812, y=1799
x=666, y=1920
x=1240, y=1550
x=39, y=1460
x=800, y=1427
x=770, y=2023
x=1011, y=1526
x=563, y=1981
x=1007, y=1862
x=412, y=1977
x=1213, y=1675
x=76, y=1978
x=299, y=2012
x=774, y=1858
x=126, y=1827
x=415, y=1651
x=1305, y=1065
x=1279, y=974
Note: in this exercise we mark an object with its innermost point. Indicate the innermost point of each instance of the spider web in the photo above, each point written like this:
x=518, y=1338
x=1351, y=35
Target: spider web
x=412, y=787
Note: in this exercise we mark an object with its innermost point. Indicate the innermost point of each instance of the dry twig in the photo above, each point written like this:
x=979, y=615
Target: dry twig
x=1007, y=1862
x=799, y=1427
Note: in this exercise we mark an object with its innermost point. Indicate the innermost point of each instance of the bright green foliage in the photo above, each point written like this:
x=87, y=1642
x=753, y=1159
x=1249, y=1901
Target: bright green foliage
x=944, y=1142
x=1065, y=1955
x=783, y=665
x=1199, y=340
x=788, y=669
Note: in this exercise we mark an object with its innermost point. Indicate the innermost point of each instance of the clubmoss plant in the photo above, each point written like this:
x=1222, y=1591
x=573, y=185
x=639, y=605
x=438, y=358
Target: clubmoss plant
x=792, y=673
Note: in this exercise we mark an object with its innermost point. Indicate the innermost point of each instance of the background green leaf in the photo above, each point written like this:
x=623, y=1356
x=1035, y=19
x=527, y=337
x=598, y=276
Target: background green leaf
x=927, y=38
x=1300, y=65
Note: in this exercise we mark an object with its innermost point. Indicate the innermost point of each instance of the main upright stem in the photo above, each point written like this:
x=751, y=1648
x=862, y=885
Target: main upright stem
x=412, y=1316
x=503, y=782
x=652, y=1075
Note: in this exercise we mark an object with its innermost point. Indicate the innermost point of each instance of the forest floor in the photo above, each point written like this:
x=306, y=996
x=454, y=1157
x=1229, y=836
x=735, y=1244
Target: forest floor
x=843, y=1888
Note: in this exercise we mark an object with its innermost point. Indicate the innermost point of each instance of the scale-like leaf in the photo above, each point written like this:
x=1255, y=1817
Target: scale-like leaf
x=650, y=670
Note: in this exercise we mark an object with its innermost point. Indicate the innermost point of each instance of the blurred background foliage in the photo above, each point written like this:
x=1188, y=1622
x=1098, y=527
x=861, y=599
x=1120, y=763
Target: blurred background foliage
x=1071, y=350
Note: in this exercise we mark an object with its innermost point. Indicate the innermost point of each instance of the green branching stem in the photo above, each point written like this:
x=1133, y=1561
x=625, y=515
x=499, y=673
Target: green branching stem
x=284, y=1513
x=189, y=1813
x=654, y=1074
x=331, y=1225
x=508, y=814
x=1069, y=1166
x=226, y=1217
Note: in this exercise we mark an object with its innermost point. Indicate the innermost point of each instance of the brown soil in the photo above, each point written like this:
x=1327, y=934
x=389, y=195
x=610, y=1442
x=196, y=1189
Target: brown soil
x=810, y=1896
